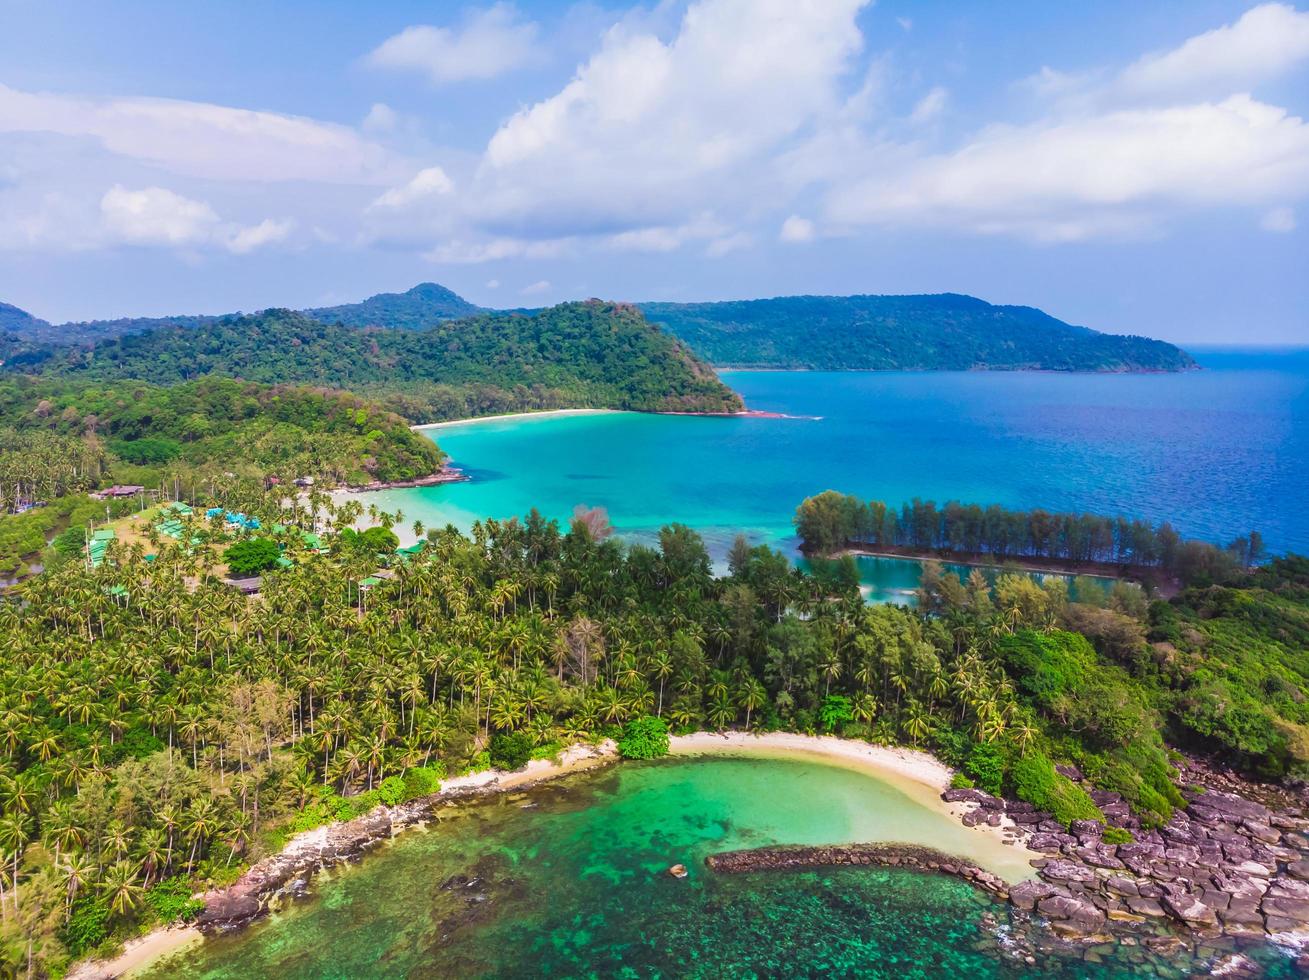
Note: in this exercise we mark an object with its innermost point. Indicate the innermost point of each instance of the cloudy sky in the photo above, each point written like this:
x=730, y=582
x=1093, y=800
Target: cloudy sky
x=1133, y=167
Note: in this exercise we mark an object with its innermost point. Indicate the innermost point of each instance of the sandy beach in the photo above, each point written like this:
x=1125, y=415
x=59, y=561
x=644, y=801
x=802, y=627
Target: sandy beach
x=551, y=413
x=920, y=776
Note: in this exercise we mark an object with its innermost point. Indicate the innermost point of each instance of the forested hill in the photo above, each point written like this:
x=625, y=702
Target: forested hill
x=425, y=304
x=589, y=354
x=946, y=332
x=16, y=321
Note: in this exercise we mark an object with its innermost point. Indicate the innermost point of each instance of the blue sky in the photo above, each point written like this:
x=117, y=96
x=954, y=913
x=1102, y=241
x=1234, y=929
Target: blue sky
x=1134, y=167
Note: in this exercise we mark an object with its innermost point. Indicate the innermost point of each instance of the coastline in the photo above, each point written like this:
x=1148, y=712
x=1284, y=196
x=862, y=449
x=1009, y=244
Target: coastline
x=1083, y=886
x=547, y=413
x=315, y=850
x=919, y=775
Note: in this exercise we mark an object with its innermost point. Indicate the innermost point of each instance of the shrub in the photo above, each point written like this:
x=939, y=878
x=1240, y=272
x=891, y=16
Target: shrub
x=391, y=790
x=1036, y=781
x=986, y=764
x=1117, y=835
x=960, y=781
x=171, y=901
x=644, y=738
x=86, y=925
x=835, y=710
x=70, y=541
x=510, y=750
x=423, y=780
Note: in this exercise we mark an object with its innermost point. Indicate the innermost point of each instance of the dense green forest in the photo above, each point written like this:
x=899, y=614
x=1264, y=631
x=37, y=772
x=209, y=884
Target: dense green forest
x=911, y=333
x=831, y=521
x=158, y=729
x=590, y=354
x=62, y=437
x=417, y=308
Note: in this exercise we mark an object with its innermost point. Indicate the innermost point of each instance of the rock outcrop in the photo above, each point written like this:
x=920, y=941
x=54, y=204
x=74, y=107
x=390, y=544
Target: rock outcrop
x=852, y=855
x=1224, y=864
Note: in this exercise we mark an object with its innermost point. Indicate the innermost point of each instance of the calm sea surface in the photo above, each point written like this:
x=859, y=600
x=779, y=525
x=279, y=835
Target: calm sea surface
x=570, y=880
x=1218, y=452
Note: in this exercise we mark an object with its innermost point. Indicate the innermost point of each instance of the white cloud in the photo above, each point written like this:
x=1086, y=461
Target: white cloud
x=650, y=131
x=428, y=183
x=381, y=118
x=156, y=216
x=667, y=238
x=906, y=23
x=1281, y=220
x=929, y=106
x=536, y=288
x=1265, y=42
x=489, y=43
x=493, y=284
x=460, y=252
x=257, y=236
x=199, y=139
x=159, y=217
x=797, y=230
x=1105, y=174
x=728, y=244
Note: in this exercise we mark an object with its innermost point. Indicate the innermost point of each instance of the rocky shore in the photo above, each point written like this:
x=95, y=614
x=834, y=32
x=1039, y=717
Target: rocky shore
x=446, y=474
x=866, y=855
x=287, y=874
x=1223, y=865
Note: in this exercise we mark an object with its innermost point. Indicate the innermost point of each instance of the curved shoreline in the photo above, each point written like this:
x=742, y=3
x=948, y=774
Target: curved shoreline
x=546, y=413
x=917, y=774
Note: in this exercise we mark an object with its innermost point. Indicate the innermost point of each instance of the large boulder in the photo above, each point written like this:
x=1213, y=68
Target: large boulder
x=1071, y=916
x=1189, y=909
x=1026, y=894
x=1067, y=871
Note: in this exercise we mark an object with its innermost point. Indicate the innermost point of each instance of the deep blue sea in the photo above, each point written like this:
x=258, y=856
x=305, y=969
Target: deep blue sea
x=1217, y=452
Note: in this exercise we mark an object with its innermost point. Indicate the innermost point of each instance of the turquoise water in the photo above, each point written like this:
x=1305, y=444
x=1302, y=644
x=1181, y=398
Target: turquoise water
x=896, y=580
x=1217, y=452
x=569, y=879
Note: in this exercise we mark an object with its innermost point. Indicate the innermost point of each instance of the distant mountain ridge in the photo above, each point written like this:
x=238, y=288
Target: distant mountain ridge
x=425, y=304
x=18, y=322
x=946, y=331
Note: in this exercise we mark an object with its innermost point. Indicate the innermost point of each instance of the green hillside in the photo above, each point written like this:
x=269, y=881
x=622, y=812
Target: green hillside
x=914, y=333
x=591, y=354
x=19, y=322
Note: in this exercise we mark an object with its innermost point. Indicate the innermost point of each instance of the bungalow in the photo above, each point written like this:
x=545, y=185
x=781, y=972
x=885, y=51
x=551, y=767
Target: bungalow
x=127, y=490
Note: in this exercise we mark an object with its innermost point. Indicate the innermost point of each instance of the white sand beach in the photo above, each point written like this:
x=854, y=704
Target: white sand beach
x=918, y=775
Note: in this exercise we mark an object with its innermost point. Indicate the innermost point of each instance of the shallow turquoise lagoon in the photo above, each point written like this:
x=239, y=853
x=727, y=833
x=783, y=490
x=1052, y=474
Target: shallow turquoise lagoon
x=570, y=880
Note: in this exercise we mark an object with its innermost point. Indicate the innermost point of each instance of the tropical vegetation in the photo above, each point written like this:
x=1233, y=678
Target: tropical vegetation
x=158, y=729
x=591, y=354
x=946, y=332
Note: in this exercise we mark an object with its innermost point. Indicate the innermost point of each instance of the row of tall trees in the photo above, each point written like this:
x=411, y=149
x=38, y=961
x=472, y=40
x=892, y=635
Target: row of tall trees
x=831, y=521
